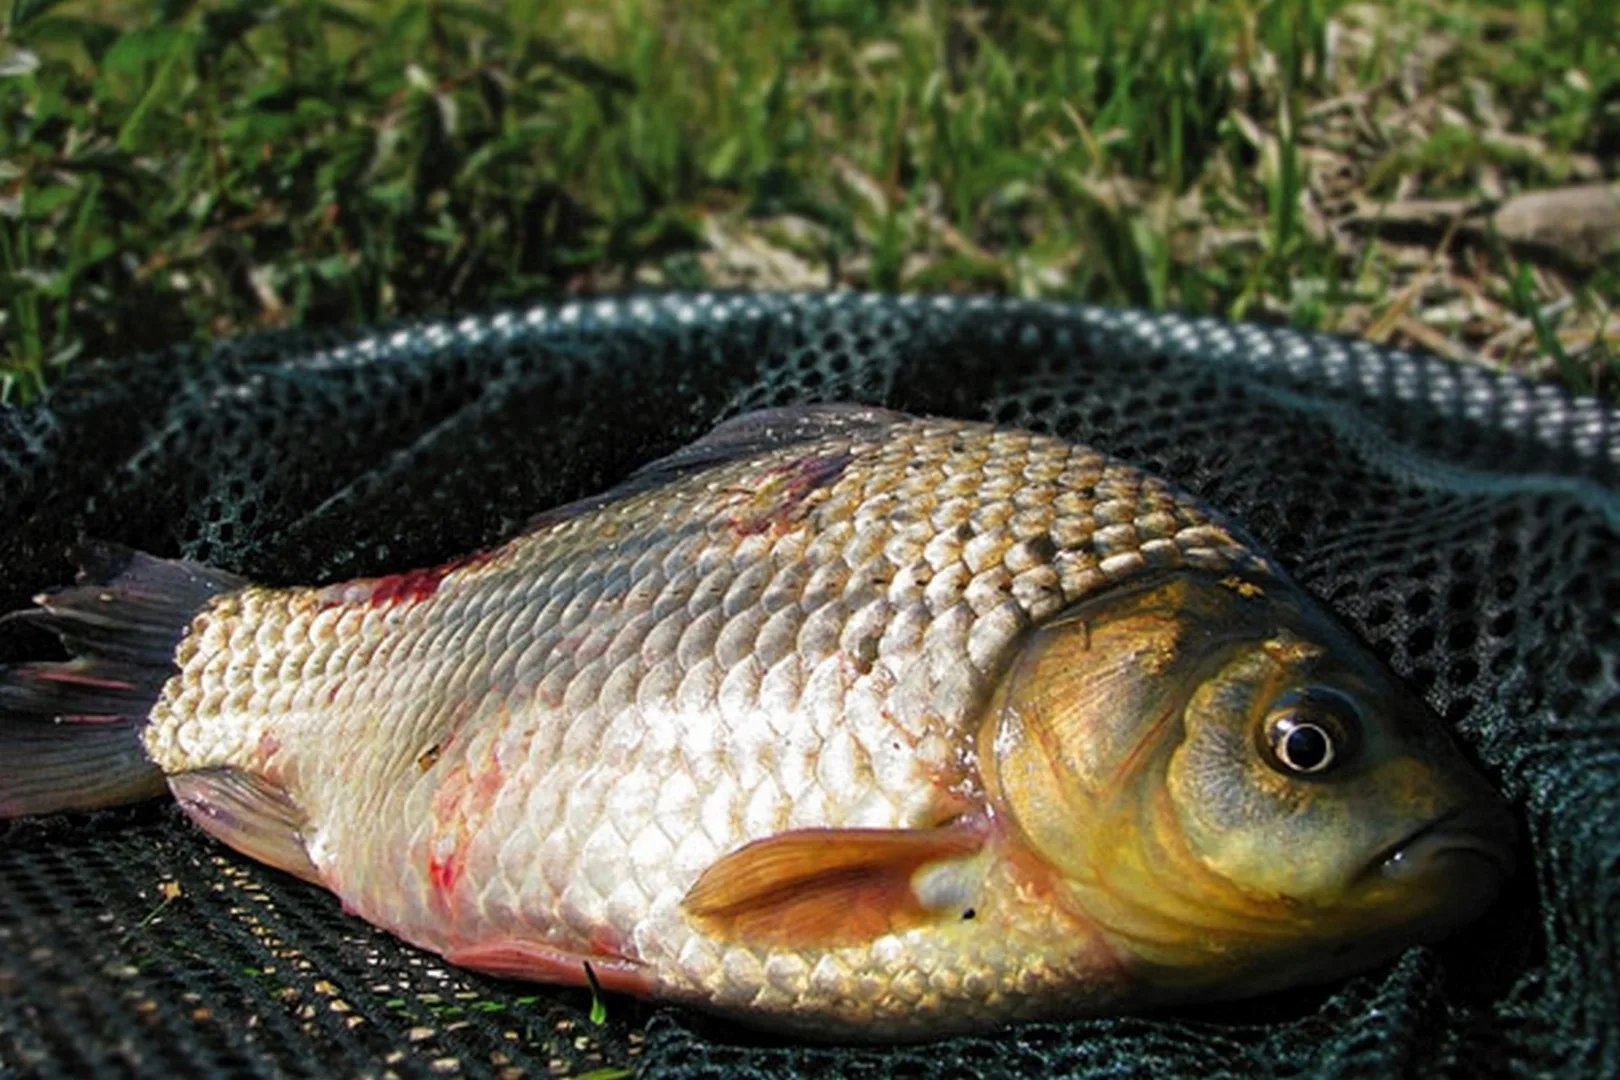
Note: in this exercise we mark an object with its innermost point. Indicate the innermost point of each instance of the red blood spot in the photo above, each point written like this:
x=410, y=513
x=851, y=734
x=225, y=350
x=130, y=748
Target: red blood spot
x=409, y=587
x=485, y=789
x=452, y=790
x=750, y=526
x=444, y=873
x=460, y=806
x=405, y=588
x=803, y=477
x=809, y=474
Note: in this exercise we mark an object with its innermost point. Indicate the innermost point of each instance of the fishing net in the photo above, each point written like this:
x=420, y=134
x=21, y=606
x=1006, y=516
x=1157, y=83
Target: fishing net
x=1464, y=523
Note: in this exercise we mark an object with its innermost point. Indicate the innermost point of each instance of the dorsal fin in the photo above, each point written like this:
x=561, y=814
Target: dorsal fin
x=740, y=437
x=760, y=431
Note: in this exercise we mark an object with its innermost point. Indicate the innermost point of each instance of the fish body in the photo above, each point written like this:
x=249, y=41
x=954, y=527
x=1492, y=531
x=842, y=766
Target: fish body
x=839, y=721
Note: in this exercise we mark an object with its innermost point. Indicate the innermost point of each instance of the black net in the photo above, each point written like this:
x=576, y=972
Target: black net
x=1464, y=523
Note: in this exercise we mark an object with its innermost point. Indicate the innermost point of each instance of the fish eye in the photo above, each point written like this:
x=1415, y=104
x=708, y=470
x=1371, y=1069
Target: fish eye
x=1308, y=733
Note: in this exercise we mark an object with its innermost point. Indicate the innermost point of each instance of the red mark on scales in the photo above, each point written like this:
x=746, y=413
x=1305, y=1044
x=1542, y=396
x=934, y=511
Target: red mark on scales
x=778, y=503
x=391, y=590
x=407, y=588
x=461, y=808
x=444, y=873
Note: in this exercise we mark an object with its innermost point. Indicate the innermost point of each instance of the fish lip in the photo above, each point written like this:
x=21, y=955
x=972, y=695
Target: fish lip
x=1466, y=830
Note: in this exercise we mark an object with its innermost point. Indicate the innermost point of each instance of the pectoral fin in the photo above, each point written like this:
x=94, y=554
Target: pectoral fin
x=248, y=813
x=825, y=887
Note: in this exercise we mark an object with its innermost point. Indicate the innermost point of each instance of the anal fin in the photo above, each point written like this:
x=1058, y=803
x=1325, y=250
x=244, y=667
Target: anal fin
x=249, y=814
x=824, y=888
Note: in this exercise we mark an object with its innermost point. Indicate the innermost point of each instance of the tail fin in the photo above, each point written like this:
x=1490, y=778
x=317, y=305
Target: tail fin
x=70, y=731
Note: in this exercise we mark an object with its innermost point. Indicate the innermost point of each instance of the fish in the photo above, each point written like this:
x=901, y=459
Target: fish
x=838, y=722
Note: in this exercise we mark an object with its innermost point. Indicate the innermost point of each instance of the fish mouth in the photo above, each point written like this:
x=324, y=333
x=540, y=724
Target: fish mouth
x=1478, y=834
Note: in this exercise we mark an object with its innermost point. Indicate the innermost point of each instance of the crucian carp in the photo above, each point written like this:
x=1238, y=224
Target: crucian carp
x=838, y=721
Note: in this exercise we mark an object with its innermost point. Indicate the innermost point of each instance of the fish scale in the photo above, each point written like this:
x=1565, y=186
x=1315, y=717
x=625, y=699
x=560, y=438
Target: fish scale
x=768, y=662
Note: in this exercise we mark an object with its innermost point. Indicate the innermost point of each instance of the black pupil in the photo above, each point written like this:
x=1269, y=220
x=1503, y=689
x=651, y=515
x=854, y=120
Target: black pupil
x=1306, y=747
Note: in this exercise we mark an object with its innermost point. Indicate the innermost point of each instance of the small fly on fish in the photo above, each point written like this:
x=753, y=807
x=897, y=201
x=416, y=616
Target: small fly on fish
x=837, y=721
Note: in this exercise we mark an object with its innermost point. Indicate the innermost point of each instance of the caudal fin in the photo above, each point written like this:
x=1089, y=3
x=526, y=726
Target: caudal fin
x=70, y=731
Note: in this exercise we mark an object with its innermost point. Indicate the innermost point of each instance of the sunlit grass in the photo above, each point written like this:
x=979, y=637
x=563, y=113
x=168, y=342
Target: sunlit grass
x=182, y=171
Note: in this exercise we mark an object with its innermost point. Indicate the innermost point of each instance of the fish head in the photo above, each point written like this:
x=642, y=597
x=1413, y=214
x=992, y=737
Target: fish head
x=1234, y=790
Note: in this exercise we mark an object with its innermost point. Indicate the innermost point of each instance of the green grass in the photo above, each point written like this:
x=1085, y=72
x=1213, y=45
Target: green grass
x=183, y=171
